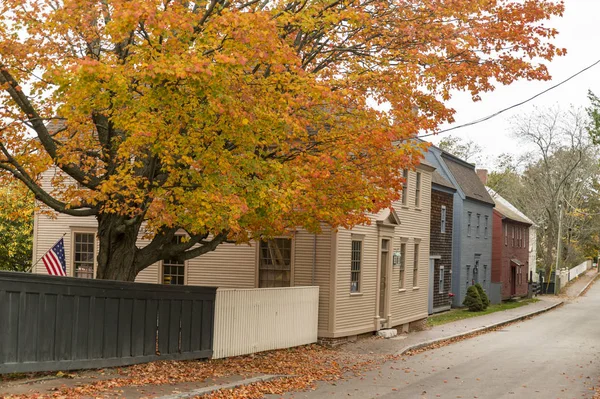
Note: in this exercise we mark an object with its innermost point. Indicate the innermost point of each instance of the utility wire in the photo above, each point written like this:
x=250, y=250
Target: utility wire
x=477, y=121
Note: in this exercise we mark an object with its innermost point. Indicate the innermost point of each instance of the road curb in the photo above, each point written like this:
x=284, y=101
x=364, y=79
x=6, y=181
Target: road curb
x=480, y=329
x=587, y=285
x=213, y=388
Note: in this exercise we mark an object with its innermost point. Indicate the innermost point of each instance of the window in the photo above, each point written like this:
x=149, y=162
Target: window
x=485, y=227
x=468, y=224
x=441, y=283
x=275, y=263
x=355, y=262
x=173, y=269
x=416, y=267
x=467, y=275
x=478, y=225
x=512, y=234
x=443, y=219
x=505, y=235
x=83, y=260
x=418, y=190
x=402, y=264
x=405, y=187
x=484, y=276
x=476, y=270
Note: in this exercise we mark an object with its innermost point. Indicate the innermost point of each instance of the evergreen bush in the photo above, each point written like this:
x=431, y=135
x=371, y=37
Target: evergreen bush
x=484, y=298
x=473, y=300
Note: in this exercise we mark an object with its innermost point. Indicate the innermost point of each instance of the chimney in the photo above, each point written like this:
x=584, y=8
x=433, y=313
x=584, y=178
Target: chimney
x=482, y=173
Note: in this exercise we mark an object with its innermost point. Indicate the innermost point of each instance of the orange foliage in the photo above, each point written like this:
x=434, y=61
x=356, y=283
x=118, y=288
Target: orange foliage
x=246, y=117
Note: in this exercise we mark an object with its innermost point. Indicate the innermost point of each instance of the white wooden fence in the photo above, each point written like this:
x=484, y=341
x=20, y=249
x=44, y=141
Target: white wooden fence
x=256, y=320
x=580, y=269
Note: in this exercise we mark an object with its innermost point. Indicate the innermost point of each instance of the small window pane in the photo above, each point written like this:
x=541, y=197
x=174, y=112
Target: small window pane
x=173, y=269
x=275, y=263
x=84, y=255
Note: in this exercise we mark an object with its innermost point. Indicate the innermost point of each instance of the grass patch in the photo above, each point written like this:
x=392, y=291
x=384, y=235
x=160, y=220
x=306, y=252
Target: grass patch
x=459, y=314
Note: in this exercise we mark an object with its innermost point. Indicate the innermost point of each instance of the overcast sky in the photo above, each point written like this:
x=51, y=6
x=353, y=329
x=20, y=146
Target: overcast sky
x=578, y=33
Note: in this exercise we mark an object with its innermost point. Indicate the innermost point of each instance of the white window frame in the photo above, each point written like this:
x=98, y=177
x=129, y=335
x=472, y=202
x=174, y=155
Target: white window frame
x=402, y=267
x=361, y=263
x=418, y=190
x=416, y=256
x=478, y=228
x=71, y=265
x=441, y=280
x=443, y=219
x=469, y=215
x=405, y=187
x=161, y=269
x=485, y=226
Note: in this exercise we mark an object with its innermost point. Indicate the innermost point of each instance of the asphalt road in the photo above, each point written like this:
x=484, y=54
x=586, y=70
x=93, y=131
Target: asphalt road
x=554, y=355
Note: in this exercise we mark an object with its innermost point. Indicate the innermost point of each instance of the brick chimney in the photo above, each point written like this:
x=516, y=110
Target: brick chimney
x=483, y=174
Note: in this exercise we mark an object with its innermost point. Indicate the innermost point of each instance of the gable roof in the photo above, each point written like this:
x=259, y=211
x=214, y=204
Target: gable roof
x=388, y=216
x=507, y=209
x=440, y=180
x=467, y=179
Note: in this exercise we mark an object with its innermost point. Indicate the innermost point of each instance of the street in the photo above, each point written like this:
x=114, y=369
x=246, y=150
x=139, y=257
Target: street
x=554, y=355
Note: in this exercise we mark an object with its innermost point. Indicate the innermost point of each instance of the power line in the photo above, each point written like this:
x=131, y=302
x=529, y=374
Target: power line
x=475, y=122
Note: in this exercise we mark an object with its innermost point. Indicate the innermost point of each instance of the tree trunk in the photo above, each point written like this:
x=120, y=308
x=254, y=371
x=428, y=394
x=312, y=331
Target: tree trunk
x=117, y=251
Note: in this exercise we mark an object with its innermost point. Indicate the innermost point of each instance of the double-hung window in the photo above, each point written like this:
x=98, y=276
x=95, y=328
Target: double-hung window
x=83, y=259
x=441, y=281
x=469, y=224
x=418, y=190
x=443, y=219
x=405, y=187
x=275, y=263
x=174, y=269
x=505, y=235
x=416, y=266
x=478, y=225
x=402, y=264
x=355, y=265
x=485, y=227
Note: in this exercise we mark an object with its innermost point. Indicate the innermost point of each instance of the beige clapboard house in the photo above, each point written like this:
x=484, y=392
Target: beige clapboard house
x=371, y=277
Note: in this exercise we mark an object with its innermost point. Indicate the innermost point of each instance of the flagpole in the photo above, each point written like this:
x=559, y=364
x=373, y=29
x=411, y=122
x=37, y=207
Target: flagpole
x=30, y=270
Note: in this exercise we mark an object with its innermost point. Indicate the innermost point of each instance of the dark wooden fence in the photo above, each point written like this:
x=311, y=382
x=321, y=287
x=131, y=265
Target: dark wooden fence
x=52, y=323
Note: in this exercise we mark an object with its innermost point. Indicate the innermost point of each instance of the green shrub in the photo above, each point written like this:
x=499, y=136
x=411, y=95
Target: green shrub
x=473, y=300
x=484, y=298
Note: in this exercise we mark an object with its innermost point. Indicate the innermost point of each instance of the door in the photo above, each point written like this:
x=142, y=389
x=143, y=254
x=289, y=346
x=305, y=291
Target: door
x=431, y=280
x=513, y=281
x=383, y=275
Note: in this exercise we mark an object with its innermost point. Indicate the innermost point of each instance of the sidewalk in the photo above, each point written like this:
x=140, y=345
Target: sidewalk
x=577, y=286
x=404, y=343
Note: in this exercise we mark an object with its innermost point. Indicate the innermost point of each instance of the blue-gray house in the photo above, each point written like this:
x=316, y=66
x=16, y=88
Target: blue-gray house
x=471, y=225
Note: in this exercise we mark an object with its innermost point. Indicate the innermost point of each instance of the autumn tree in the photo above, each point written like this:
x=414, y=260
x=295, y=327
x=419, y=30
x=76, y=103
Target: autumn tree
x=234, y=120
x=16, y=227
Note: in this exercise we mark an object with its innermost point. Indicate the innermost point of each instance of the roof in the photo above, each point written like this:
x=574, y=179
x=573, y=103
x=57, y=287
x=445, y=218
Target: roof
x=507, y=209
x=441, y=181
x=467, y=179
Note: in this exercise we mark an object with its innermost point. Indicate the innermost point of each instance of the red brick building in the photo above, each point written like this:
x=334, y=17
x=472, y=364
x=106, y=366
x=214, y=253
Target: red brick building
x=510, y=249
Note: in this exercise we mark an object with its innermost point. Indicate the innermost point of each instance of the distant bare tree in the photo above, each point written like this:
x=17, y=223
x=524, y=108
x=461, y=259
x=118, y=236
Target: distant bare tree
x=467, y=150
x=561, y=170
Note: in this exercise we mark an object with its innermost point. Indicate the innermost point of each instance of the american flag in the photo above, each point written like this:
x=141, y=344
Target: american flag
x=54, y=260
